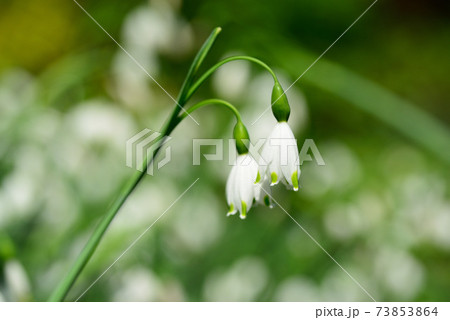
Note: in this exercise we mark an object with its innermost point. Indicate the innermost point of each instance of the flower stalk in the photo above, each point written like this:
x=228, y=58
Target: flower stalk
x=174, y=119
x=245, y=181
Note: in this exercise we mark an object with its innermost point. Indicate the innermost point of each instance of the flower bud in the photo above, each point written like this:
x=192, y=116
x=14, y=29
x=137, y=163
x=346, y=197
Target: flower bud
x=242, y=138
x=280, y=104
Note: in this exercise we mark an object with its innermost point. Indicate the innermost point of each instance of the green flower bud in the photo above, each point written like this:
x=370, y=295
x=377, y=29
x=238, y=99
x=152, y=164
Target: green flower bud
x=242, y=138
x=280, y=104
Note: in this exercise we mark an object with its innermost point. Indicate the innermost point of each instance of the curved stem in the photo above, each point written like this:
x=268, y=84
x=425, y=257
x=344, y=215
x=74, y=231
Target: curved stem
x=211, y=102
x=208, y=73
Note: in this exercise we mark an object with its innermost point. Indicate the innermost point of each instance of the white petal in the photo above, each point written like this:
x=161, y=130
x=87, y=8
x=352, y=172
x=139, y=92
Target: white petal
x=265, y=158
x=263, y=192
x=274, y=170
x=248, y=174
x=236, y=197
x=275, y=144
x=289, y=158
x=269, y=150
x=238, y=183
x=247, y=170
x=229, y=187
x=254, y=171
x=230, y=190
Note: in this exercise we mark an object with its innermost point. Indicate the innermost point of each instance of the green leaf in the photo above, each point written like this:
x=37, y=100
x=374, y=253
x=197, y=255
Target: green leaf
x=198, y=60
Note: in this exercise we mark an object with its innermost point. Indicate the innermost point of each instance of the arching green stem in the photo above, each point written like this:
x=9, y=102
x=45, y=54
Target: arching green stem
x=212, y=102
x=208, y=73
x=240, y=133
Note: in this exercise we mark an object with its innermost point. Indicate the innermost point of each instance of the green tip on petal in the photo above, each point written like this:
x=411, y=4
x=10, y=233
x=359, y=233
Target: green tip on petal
x=244, y=207
x=231, y=211
x=258, y=178
x=243, y=214
x=274, y=178
x=295, y=180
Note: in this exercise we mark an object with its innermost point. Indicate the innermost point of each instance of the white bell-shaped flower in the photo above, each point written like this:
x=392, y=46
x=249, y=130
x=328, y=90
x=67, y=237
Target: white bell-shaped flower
x=280, y=157
x=242, y=187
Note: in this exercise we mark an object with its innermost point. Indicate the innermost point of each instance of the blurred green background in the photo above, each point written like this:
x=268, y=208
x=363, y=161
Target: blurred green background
x=376, y=106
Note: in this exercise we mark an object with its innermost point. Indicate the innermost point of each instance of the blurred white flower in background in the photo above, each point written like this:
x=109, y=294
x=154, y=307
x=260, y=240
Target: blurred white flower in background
x=17, y=93
x=49, y=275
x=17, y=282
x=341, y=172
x=196, y=224
x=21, y=190
x=17, y=197
x=360, y=216
x=100, y=122
x=61, y=208
x=43, y=126
x=94, y=138
x=148, y=31
x=419, y=202
x=399, y=273
x=136, y=284
x=344, y=221
x=336, y=285
x=440, y=227
x=297, y=289
x=147, y=203
x=231, y=80
x=141, y=284
x=243, y=281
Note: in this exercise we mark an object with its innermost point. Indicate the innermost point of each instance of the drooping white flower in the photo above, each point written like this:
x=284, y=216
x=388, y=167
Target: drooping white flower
x=242, y=187
x=280, y=156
